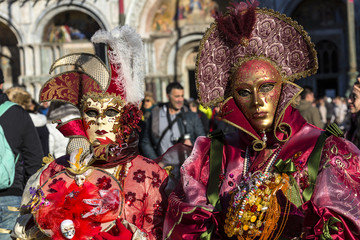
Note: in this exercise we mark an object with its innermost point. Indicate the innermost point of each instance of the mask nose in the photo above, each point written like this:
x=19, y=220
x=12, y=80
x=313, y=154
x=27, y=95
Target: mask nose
x=257, y=100
x=100, y=120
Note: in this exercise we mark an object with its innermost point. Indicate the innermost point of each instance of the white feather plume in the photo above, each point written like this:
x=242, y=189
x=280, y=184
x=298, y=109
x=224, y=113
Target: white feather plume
x=127, y=58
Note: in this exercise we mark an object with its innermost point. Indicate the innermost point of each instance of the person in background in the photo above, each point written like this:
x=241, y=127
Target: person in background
x=353, y=127
x=44, y=108
x=23, y=98
x=40, y=124
x=170, y=123
x=20, y=133
x=330, y=115
x=322, y=110
x=20, y=96
x=148, y=103
x=217, y=124
x=207, y=111
x=309, y=112
x=146, y=106
x=194, y=107
x=340, y=111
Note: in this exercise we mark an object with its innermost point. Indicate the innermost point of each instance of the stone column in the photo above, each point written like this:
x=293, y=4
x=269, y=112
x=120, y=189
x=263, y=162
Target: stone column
x=29, y=60
x=37, y=60
x=22, y=65
x=352, y=44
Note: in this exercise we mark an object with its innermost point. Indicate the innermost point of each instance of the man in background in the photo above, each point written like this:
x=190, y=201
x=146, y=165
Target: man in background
x=307, y=110
x=170, y=123
x=23, y=139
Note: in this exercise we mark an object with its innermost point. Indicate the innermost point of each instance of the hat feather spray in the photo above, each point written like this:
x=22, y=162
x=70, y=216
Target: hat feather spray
x=126, y=61
x=125, y=54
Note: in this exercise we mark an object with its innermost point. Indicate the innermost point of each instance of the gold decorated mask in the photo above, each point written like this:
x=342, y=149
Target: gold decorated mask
x=101, y=117
x=256, y=90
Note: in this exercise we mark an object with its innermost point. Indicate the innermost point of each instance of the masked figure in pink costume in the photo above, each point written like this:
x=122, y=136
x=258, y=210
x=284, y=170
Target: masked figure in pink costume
x=106, y=137
x=278, y=177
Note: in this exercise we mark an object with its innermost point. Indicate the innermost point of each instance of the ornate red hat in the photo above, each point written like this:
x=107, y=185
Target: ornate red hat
x=90, y=75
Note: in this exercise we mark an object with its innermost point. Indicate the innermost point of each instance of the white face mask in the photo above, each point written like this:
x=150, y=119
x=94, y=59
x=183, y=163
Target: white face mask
x=79, y=179
x=67, y=229
x=101, y=119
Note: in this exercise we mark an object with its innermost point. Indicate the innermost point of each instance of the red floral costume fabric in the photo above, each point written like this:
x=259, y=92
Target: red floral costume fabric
x=144, y=203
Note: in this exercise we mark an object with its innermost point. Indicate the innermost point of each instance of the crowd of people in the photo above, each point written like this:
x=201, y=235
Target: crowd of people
x=322, y=112
x=255, y=157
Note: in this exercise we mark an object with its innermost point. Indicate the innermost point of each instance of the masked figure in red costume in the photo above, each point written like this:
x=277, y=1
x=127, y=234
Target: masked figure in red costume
x=113, y=193
x=278, y=177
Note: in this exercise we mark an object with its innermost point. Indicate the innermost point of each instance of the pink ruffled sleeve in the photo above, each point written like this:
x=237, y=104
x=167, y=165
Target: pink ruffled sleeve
x=189, y=216
x=333, y=211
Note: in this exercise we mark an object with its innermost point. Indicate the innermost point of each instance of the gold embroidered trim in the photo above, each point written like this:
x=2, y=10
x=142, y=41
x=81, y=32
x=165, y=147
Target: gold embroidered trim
x=102, y=98
x=47, y=159
x=2, y=230
x=13, y=209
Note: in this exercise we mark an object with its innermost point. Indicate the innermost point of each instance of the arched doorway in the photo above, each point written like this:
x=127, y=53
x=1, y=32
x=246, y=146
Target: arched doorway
x=66, y=32
x=70, y=26
x=325, y=21
x=9, y=56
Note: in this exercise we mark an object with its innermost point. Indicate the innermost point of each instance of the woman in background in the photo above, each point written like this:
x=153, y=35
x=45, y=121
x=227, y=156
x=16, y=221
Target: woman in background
x=353, y=128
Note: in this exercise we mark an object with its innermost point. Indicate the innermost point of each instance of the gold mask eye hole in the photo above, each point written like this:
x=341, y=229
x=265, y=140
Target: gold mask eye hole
x=111, y=112
x=92, y=113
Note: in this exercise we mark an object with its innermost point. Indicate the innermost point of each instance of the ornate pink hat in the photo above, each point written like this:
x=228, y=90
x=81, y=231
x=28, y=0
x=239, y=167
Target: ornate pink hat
x=250, y=32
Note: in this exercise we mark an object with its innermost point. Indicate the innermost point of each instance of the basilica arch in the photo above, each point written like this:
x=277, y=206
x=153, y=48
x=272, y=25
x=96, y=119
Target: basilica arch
x=9, y=53
x=38, y=32
x=326, y=23
x=48, y=15
x=57, y=31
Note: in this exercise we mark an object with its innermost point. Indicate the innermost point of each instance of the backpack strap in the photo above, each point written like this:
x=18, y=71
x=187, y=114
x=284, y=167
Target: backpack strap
x=165, y=131
x=5, y=106
x=315, y=157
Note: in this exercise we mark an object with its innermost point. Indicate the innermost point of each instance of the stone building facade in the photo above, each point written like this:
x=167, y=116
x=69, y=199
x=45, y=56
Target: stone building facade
x=33, y=33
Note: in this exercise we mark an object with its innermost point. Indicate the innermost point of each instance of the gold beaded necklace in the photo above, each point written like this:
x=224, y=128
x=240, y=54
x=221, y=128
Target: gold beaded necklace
x=254, y=203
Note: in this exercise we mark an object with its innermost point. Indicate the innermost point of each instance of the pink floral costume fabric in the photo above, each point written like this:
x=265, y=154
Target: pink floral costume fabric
x=331, y=213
